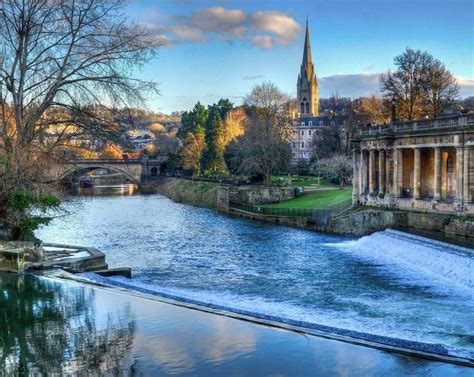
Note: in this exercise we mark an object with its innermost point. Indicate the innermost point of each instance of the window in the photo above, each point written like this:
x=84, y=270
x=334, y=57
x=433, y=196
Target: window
x=294, y=145
x=302, y=144
x=309, y=132
x=320, y=122
x=302, y=123
x=302, y=132
x=310, y=123
x=304, y=106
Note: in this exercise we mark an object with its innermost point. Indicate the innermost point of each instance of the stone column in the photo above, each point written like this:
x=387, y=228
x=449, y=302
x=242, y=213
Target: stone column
x=459, y=174
x=371, y=171
x=416, y=174
x=466, y=191
x=437, y=173
x=382, y=171
x=395, y=156
x=388, y=176
x=361, y=173
x=355, y=178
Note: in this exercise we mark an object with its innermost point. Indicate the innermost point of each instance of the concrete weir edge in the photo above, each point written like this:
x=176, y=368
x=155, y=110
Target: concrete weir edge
x=435, y=352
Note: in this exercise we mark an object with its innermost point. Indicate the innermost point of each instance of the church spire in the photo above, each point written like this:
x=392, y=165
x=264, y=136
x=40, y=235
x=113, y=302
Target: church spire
x=307, y=86
x=307, y=58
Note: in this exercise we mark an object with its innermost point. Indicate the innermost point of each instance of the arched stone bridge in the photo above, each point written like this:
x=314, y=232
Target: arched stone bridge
x=133, y=170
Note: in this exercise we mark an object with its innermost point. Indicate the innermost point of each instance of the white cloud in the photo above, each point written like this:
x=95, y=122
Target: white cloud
x=466, y=86
x=264, y=29
x=217, y=20
x=187, y=33
x=367, y=84
x=283, y=26
x=349, y=85
x=264, y=41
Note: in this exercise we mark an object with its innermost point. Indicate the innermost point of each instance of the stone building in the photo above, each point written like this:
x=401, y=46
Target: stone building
x=308, y=118
x=423, y=165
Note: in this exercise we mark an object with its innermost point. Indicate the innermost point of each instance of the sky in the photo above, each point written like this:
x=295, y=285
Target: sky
x=222, y=48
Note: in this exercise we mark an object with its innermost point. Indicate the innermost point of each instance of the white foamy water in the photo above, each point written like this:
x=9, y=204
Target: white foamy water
x=418, y=258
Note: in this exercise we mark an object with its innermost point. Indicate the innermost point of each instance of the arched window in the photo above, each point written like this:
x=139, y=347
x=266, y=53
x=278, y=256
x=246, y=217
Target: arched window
x=307, y=107
x=304, y=106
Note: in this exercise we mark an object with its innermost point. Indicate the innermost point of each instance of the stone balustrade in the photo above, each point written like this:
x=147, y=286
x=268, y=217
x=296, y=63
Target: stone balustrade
x=453, y=121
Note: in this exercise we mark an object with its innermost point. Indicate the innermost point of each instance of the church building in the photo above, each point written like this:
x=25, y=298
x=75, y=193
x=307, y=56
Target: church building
x=308, y=119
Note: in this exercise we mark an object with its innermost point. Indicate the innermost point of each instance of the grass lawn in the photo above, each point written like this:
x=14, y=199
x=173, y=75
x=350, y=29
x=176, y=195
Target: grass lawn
x=301, y=181
x=317, y=199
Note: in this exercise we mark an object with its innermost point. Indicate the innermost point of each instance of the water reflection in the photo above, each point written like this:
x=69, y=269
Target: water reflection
x=124, y=189
x=56, y=328
x=46, y=330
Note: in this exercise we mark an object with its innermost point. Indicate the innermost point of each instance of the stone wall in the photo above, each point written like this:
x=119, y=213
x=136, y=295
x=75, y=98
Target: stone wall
x=367, y=221
x=215, y=195
x=460, y=226
x=360, y=223
x=196, y=193
x=259, y=194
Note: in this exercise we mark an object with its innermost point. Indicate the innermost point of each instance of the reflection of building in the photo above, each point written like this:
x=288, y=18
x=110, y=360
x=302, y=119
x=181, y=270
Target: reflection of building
x=308, y=107
x=425, y=164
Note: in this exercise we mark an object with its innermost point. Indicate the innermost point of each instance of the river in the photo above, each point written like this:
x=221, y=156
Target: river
x=387, y=284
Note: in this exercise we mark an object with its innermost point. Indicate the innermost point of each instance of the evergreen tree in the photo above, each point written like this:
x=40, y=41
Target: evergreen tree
x=193, y=121
x=224, y=106
x=214, y=155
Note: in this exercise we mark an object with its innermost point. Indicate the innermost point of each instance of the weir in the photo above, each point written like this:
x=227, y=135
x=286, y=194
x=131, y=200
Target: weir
x=390, y=288
x=417, y=255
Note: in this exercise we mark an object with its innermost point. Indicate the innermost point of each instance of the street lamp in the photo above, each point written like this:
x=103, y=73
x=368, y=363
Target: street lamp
x=394, y=109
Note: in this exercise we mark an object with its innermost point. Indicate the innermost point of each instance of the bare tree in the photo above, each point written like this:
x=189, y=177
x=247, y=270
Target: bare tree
x=440, y=88
x=373, y=110
x=337, y=165
x=191, y=154
x=421, y=85
x=406, y=83
x=264, y=148
x=60, y=62
x=234, y=124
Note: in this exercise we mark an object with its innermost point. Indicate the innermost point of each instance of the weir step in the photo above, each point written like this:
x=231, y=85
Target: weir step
x=122, y=271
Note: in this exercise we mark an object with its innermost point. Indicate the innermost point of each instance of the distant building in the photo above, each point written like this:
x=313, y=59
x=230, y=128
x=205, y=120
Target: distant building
x=308, y=118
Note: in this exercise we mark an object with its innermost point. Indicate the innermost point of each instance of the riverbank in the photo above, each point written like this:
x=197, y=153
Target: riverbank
x=196, y=193
x=357, y=221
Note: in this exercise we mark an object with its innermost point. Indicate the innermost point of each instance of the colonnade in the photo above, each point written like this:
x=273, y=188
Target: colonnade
x=381, y=171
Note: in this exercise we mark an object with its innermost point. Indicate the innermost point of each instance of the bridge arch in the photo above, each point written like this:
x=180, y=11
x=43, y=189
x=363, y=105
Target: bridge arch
x=136, y=179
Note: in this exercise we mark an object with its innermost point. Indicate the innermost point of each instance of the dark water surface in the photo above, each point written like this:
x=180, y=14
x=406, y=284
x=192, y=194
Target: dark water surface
x=389, y=284
x=53, y=328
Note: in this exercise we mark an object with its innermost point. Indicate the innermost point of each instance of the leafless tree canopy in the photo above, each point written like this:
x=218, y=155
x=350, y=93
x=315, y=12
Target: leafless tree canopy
x=421, y=85
x=59, y=60
x=264, y=148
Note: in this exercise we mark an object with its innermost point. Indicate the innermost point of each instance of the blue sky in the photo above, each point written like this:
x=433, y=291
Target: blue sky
x=223, y=48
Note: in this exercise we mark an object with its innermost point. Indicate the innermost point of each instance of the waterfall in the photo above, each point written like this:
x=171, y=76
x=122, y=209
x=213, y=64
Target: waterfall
x=422, y=257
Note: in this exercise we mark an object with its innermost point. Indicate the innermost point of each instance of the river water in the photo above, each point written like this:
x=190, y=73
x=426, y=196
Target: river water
x=386, y=284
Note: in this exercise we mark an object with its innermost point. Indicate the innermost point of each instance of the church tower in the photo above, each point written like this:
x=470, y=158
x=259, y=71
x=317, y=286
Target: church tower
x=307, y=86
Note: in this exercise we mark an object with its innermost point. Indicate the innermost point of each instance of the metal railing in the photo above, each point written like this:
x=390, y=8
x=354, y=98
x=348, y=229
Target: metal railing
x=317, y=214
